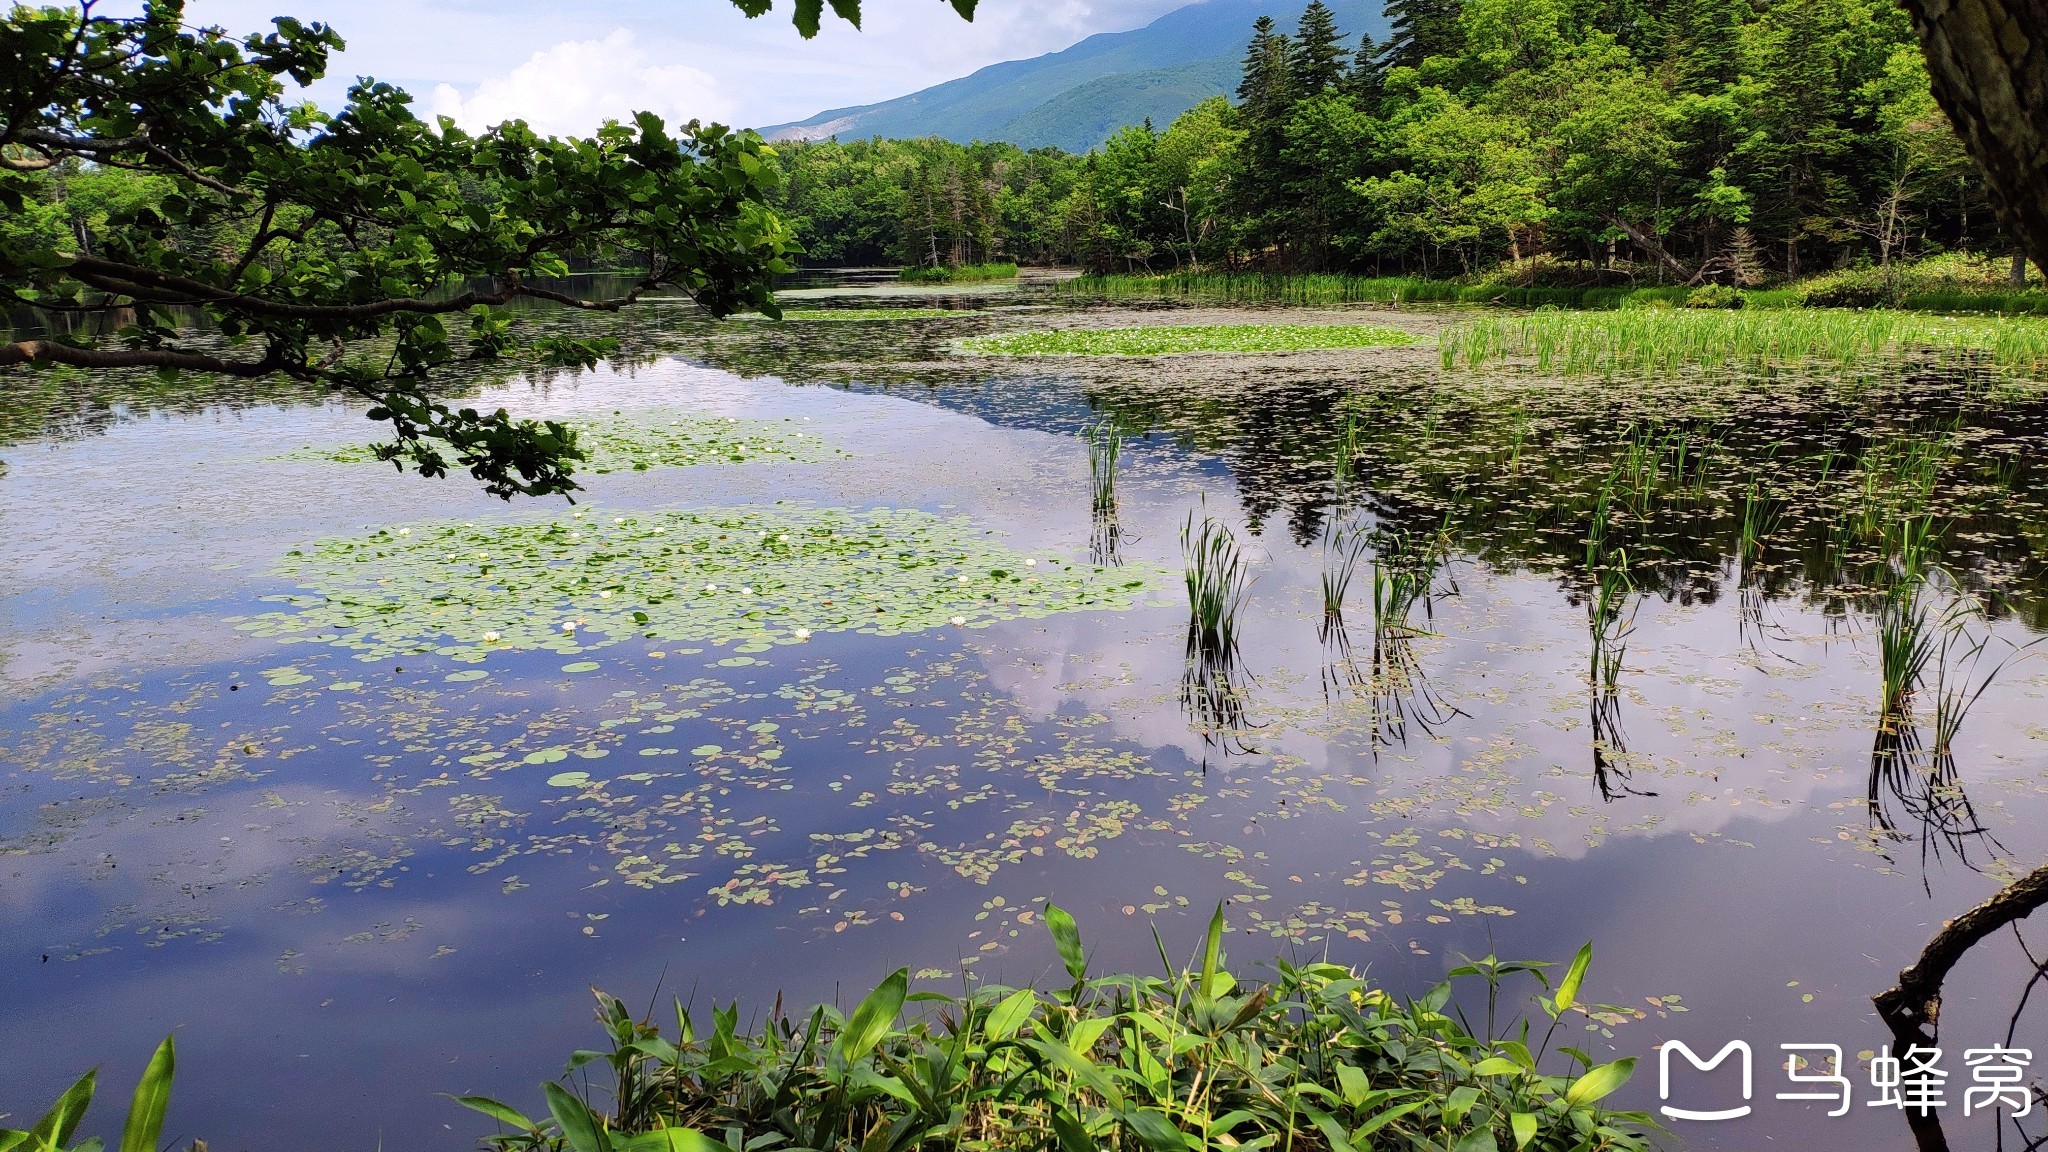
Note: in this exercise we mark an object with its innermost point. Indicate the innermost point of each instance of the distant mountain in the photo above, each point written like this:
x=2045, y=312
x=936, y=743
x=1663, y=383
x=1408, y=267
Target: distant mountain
x=1077, y=97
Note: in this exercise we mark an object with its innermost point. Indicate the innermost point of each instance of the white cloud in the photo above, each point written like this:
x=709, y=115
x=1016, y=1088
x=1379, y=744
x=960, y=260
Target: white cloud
x=575, y=86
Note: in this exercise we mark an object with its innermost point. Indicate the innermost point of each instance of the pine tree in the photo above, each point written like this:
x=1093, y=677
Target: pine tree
x=1264, y=91
x=1421, y=29
x=1367, y=79
x=1316, y=58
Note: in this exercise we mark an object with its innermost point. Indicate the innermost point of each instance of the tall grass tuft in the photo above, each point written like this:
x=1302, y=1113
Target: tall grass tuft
x=1345, y=545
x=1218, y=584
x=1105, y=444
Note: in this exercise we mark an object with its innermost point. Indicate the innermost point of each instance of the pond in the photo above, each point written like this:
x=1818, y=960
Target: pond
x=859, y=646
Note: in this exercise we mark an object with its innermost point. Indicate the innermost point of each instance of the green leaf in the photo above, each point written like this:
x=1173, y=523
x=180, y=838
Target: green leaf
x=1496, y=1066
x=1155, y=1130
x=1073, y=1137
x=55, y=1128
x=1005, y=1018
x=1524, y=1125
x=1383, y=1119
x=152, y=1096
x=1568, y=987
x=12, y=1138
x=874, y=1017
x=503, y=1113
x=579, y=1127
x=1480, y=1141
x=1212, y=955
x=1459, y=1102
x=670, y=1140
x=1599, y=1082
x=1352, y=1081
x=1066, y=936
x=807, y=14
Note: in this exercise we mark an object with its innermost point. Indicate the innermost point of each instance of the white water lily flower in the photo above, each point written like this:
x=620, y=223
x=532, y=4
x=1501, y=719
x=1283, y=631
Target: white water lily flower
x=573, y=536
x=605, y=595
x=745, y=591
x=803, y=633
x=618, y=519
x=490, y=637
x=568, y=625
x=959, y=621
x=963, y=578
x=711, y=587
x=782, y=539
x=405, y=531
x=1031, y=561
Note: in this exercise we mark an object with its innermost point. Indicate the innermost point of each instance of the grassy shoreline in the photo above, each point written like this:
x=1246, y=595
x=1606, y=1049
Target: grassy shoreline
x=1314, y=289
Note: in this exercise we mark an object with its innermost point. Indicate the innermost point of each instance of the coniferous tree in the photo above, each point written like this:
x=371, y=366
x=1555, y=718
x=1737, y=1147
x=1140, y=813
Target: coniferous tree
x=1367, y=79
x=1420, y=29
x=1264, y=92
x=1316, y=58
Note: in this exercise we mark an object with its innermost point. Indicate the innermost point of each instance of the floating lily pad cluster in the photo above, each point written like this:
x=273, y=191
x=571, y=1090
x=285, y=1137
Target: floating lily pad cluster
x=1182, y=339
x=638, y=441
x=751, y=577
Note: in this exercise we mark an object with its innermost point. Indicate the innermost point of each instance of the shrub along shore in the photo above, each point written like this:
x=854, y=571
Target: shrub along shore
x=1312, y=1058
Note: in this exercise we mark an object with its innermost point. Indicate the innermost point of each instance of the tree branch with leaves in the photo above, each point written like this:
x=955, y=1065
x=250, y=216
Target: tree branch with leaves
x=364, y=249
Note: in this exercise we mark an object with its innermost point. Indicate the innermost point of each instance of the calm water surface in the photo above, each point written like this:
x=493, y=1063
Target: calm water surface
x=348, y=892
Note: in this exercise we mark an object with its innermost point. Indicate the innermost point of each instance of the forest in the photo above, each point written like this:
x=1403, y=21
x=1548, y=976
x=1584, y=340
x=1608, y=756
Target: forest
x=1692, y=140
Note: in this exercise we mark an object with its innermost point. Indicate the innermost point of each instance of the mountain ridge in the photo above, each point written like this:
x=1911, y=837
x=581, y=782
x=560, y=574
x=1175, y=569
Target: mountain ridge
x=1076, y=97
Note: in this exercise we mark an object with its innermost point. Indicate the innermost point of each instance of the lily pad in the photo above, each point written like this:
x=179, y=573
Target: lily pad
x=748, y=577
x=657, y=438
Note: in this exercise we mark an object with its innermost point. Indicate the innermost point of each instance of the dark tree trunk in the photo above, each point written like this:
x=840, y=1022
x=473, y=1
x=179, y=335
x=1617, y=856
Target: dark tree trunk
x=1989, y=61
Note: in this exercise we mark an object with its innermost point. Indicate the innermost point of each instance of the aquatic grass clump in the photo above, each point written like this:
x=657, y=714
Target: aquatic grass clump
x=1662, y=341
x=958, y=274
x=1105, y=444
x=1314, y=1057
x=659, y=438
x=749, y=577
x=1218, y=580
x=1184, y=339
x=1345, y=546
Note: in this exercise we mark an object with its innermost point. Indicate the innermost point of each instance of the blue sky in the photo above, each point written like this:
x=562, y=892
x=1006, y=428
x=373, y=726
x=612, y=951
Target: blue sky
x=566, y=65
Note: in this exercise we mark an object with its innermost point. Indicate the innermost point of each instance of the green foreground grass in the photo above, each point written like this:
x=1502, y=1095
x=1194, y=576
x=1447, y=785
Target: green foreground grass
x=962, y=274
x=1314, y=1059
x=1183, y=339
